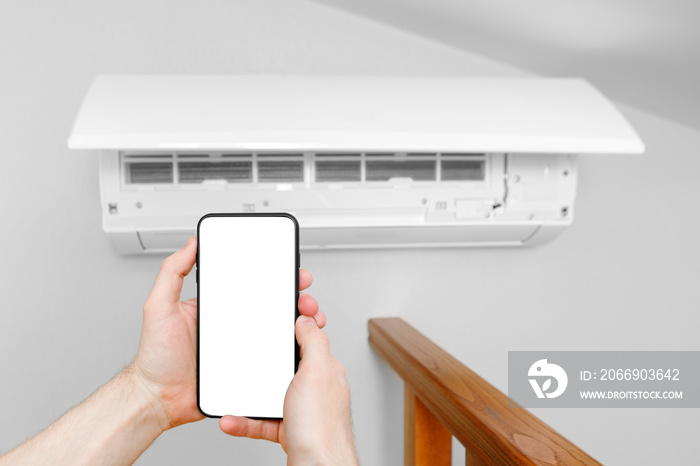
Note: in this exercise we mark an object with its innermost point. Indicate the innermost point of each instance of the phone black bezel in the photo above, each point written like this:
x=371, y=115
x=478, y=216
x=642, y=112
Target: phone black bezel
x=296, y=288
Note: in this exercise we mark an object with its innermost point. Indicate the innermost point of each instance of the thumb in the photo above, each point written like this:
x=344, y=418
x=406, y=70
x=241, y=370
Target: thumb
x=173, y=270
x=313, y=342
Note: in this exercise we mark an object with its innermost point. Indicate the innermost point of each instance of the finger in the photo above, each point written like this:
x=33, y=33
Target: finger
x=250, y=428
x=320, y=319
x=313, y=343
x=308, y=306
x=175, y=267
x=305, y=279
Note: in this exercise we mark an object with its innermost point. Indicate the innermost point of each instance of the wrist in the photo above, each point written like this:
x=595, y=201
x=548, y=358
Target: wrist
x=338, y=455
x=346, y=456
x=147, y=398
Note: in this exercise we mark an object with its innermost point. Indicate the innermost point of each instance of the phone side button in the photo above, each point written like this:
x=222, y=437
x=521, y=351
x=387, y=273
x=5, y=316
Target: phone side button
x=196, y=275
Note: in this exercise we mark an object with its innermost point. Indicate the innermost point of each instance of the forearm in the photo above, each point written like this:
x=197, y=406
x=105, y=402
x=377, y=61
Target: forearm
x=113, y=426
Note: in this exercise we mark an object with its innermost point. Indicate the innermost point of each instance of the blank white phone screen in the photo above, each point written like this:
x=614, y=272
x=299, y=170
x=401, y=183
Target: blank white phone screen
x=247, y=310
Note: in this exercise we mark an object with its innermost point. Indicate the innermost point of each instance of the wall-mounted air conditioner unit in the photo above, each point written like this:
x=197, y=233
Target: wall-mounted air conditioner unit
x=360, y=161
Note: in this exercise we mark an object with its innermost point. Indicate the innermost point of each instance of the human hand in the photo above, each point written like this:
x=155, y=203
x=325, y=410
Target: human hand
x=165, y=367
x=317, y=423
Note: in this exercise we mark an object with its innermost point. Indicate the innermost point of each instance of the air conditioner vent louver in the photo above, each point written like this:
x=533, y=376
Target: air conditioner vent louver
x=233, y=172
x=284, y=155
x=149, y=172
x=151, y=156
x=338, y=170
x=274, y=167
x=338, y=154
x=281, y=171
x=459, y=170
x=417, y=170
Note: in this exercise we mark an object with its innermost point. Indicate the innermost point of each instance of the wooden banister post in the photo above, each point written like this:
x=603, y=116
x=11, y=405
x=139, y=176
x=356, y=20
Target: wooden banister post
x=427, y=442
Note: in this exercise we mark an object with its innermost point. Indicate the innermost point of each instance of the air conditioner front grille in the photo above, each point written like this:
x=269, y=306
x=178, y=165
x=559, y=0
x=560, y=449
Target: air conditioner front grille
x=462, y=170
x=279, y=155
x=416, y=170
x=149, y=172
x=338, y=170
x=297, y=168
x=280, y=171
x=323, y=155
x=198, y=172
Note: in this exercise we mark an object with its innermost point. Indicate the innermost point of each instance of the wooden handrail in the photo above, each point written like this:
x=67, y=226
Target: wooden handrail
x=439, y=388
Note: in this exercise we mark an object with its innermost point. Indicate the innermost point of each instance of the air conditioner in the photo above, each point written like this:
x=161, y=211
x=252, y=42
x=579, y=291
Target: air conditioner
x=360, y=161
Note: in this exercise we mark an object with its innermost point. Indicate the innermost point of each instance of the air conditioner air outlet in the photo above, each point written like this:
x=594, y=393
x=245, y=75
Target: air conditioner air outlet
x=310, y=168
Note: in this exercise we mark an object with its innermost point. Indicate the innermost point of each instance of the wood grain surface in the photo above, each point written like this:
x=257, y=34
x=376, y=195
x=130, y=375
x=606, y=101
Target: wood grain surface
x=427, y=442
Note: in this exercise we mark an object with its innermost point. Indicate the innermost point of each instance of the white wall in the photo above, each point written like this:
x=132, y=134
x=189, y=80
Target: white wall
x=623, y=277
x=626, y=47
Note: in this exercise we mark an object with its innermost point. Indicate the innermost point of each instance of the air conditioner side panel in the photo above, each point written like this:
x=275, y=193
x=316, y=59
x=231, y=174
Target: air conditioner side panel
x=545, y=234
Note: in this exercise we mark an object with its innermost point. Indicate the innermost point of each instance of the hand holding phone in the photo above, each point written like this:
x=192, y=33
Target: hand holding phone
x=317, y=425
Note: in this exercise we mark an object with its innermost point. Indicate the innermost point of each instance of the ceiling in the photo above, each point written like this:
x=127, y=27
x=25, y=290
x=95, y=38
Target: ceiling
x=645, y=53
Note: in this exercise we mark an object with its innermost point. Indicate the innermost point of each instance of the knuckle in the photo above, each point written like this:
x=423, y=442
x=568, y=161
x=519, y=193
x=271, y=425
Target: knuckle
x=323, y=341
x=149, y=303
x=339, y=368
x=167, y=263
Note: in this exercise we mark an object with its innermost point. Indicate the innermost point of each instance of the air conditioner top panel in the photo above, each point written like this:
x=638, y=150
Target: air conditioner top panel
x=412, y=114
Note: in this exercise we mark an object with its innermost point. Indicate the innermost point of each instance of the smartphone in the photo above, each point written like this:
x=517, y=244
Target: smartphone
x=247, y=290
